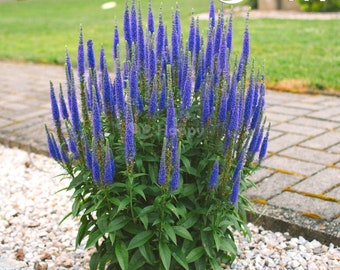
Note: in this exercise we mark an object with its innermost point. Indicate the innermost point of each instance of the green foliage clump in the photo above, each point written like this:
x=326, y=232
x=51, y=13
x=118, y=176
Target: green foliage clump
x=159, y=154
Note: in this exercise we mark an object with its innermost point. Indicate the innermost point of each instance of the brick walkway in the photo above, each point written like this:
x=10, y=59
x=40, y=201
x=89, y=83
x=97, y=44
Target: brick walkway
x=297, y=190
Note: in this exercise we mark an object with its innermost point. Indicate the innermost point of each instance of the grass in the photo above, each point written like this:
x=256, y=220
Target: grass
x=297, y=55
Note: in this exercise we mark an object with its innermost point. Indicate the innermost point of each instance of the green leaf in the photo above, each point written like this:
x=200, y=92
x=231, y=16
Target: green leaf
x=94, y=261
x=94, y=236
x=81, y=233
x=172, y=208
x=123, y=204
x=217, y=239
x=207, y=243
x=183, y=232
x=164, y=254
x=147, y=253
x=140, y=239
x=169, y=230
x=215, y=265
x=190, y=221
x=137, y=261
x=140, y=190
x=75, y=207
x=118, y=223
x=112, y=237
x=195, y=254
x=145, y=220
x=102, y=223
x=180, y=258
x=122, y=255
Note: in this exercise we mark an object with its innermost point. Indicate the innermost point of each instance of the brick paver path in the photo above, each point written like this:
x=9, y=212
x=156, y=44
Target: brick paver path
x=301, y=175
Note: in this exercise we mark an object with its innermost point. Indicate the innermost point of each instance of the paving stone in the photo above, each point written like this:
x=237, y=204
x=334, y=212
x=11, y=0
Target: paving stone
x=288, y=110
x=311, y=155
x=284, y=142
x=326, y=209
x=323, y=141
x=334, y=149
x=271, y=186
x=317, y=99
x=292, y=166
x=274, y=134
x=292, y=128
x=306, y=121
x=320, y=182
x=326, y=114
x=277, y=117
x=305, y=105
x=334, y=193
x=260, y=175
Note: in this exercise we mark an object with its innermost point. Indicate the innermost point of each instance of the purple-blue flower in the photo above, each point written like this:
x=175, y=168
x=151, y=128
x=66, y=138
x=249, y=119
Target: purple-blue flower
x=109, y=169
x=151, y=26
x=236, y=179
x=212, y=13
x=96, y=122
x=52, y=146
x=54, y=106
x=90, y=54
x=115, y=42
x=140, y=44
x=160, y=37
x=81, y=58
x=264, y=146
x=63, y=108
x=133, y=22
x=119, y=92
x=170, y=128
x=127, y=26
x=176, y=173
x=130, y=151
x=192, y=32
x=214, y=175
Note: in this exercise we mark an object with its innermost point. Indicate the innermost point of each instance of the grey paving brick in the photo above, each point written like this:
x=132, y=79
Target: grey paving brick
x=306, y=121
x=284, y=142
x=274, y=134
x=334, y=193
x=326, y=114
x=326, y=209
x=305, y=105
x=323, y=141
x=311, y=155
x=320, y=182
x=334, y=149
x=288, y=110
x=277, y=117
x=292, y=166
x=260, y=175
x=298, y=129
x=318, y=99
x=271, y=186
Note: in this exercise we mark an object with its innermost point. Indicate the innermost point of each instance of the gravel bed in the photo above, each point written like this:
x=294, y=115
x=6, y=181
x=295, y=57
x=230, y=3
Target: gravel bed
x=31, y=238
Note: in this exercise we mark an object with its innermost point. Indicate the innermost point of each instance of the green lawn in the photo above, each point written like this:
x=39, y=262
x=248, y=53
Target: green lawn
x=297, y=55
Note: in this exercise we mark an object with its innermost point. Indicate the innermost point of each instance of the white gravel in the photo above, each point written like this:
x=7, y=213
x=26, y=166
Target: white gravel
x=31, y=238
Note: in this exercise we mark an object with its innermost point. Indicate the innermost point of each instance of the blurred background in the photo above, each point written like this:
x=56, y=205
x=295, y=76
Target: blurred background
x=297, y=54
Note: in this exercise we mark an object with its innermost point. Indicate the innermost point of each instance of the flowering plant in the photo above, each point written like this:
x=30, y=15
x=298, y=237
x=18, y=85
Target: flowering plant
x=159, y=154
